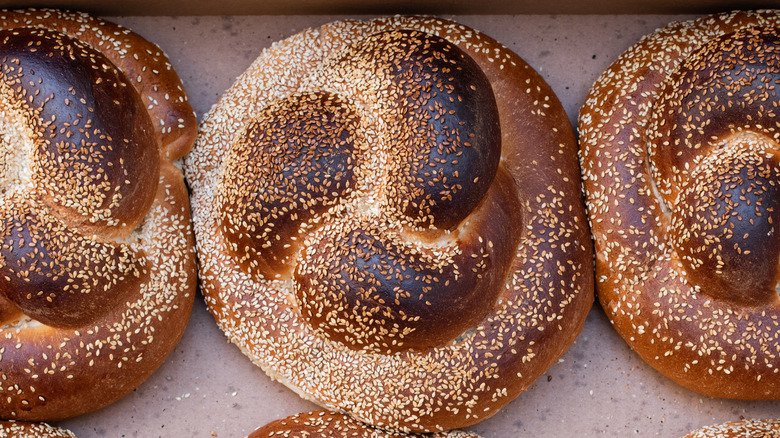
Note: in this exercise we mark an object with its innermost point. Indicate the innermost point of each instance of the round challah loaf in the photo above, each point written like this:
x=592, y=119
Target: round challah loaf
x=679, y=146
x=97, y=271
x=389, y=221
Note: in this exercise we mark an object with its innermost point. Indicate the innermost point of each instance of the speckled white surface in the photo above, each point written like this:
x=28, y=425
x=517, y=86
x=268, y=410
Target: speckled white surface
x=208, y=388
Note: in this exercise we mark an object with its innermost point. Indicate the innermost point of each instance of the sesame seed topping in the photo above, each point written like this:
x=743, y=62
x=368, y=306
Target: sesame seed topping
x=683, y=126
x=329, y=258
x=96, y=254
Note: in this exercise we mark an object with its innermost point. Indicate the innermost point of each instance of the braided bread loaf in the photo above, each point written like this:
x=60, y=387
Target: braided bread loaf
x=680, y=153
x=97, y=272
x=389, y=221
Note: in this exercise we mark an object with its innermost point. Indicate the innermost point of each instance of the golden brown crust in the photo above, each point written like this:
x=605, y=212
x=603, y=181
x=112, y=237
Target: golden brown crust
x=97, y=257
x=739, y=429
x=326, y=424
x=518, y=258
x=21, y=429
x=679, y=150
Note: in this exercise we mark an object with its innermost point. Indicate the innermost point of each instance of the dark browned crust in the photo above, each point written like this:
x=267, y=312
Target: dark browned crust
x=528, y=225
x=279, y=178
x=679, y=150
x=92, y=130
x=97, y=258
x=326, y=424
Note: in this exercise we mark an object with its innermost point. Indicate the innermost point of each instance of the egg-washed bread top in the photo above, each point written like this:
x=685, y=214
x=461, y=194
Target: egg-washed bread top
x=326, y=424
x=389, y=221
x=97, y=270
x=739, y=429
x=679, y=146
